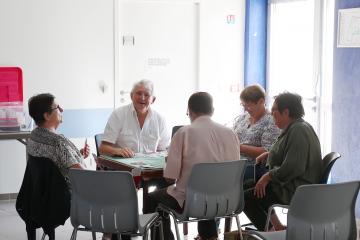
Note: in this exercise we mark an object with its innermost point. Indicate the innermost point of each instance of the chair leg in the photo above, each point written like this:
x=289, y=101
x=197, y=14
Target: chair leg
x=177, y=230
x=228, y=222
x=185, y=228
x=93, y=235
x=161, y=230
x=176, y=225
x=239, y=226
x=73, y=235
x=156, y=226
x=145, y=236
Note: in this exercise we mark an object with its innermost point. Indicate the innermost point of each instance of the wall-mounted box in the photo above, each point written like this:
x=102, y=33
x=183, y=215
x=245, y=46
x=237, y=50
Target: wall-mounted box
x=11, y=99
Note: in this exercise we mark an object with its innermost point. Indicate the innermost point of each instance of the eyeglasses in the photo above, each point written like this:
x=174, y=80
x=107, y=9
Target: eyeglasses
x=248, y=105
x=274, y=109
x=57, y=107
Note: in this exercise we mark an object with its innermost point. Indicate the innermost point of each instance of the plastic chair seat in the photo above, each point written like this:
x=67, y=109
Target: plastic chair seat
x=319, y=211
x=106, y=201
x=278, y=235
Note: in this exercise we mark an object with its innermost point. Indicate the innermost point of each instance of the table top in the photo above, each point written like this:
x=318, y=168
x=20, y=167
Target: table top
x=145, y=165
x=17, y=135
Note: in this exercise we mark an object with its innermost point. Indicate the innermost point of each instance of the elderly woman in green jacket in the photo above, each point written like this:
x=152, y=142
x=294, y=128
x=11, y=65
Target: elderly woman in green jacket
x=293, y=160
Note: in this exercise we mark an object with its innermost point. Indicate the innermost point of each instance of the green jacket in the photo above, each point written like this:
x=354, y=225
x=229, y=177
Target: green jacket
x=294, y=160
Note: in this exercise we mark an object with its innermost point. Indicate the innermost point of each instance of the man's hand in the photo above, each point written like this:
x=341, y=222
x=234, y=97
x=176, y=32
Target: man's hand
x=125, y=152
x=261, y=159
x=260, y=187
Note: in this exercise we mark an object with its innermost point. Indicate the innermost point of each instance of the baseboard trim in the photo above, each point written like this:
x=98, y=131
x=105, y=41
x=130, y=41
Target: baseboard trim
x=8, y=196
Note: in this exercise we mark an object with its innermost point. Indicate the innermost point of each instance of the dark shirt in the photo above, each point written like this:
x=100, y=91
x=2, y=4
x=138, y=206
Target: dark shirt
x=294, y=160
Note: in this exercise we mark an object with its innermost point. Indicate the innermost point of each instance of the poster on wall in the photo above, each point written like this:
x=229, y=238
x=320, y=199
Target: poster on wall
x=348, y=34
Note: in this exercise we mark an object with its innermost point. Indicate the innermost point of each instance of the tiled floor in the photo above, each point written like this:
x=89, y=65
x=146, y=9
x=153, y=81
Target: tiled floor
x=13, y=228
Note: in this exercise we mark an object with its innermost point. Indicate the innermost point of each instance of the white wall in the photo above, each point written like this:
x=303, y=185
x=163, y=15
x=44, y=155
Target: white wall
x=12, y=166
x=63, y=46
x=66, y=47
x=222, y=55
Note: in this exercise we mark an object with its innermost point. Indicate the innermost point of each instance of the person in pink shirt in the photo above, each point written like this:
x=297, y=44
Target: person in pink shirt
x=202, y=141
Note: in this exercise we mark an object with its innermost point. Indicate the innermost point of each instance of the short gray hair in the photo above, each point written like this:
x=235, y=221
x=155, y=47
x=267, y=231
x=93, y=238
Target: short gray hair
x=147, y=84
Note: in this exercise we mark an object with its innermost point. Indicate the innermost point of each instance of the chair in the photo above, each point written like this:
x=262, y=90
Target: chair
x=44, y=197
x=209, y=197
x=328, y=163
x=106, y=201
x=98, y=138
x=174, y=129
x=319, y=211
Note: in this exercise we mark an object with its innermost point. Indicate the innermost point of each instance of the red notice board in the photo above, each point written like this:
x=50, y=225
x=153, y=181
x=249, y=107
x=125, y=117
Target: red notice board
x=11, y=85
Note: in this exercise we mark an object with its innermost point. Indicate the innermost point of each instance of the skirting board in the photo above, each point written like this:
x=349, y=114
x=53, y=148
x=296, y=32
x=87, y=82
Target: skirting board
x=8, y=196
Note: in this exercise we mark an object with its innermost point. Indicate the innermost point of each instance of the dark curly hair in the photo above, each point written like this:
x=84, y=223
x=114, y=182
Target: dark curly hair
x=40, y=104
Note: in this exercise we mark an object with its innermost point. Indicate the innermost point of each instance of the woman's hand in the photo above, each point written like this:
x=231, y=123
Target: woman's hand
x=260, y=187
x=85, y=151
x=261, y=159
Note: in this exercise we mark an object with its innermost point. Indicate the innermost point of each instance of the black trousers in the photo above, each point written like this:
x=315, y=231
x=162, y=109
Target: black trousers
x=206, y=229
x=123, y=237
x=256, y=208
x=31, y=231
x=159, y=183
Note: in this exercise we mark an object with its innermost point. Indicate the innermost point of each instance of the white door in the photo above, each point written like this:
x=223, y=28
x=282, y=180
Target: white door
x=157, y=40
x=294, y=52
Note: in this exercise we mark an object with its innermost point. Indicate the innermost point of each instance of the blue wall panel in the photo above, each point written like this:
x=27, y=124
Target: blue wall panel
x=255, y=42
x=346, y=110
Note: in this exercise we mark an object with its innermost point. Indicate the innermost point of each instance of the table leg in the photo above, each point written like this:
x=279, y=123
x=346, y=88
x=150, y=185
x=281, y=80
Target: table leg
x=145, y=198
x=228, y=222
x=185, y=228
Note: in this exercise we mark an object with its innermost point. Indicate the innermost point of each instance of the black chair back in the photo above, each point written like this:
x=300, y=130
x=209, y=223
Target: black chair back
x=98, y=138
x=175, y=128
x=328, y=163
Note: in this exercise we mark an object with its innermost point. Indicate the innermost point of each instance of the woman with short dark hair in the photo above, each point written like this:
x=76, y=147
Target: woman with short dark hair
x=293, y=160
x=46, y=142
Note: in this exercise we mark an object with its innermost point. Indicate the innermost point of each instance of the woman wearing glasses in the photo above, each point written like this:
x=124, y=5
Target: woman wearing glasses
x=255, y=128
x=44, y=198
x=46, y=142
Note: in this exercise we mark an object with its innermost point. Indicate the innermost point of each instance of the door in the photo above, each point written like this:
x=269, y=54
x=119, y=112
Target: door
x=158, y=41
x=294, y=52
